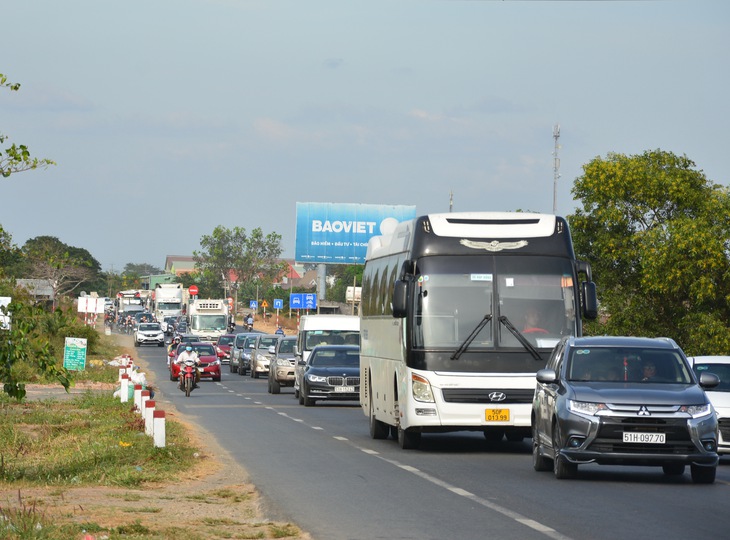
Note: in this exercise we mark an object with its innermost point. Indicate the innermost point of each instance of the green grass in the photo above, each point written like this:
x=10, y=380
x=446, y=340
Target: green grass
x=89, y=440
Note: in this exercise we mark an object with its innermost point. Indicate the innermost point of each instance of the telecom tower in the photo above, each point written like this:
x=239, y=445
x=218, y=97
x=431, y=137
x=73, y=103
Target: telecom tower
x=556, y=168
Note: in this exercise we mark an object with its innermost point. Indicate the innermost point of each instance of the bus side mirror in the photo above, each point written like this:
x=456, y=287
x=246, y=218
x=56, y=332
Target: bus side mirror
x=590, y=300
x=400, y=298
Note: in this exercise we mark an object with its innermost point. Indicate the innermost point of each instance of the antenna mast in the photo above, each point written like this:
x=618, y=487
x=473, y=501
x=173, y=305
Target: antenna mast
x=556, y=167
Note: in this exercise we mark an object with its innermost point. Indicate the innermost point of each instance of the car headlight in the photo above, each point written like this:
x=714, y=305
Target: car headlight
x=283, y=362
x=585, y=407
x=697, y=411
x=421, y=389
x=316, y=378
x=215, y=363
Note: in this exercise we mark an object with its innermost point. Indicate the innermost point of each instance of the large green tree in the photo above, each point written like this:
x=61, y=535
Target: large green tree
x=657, y=234
x=240, y=259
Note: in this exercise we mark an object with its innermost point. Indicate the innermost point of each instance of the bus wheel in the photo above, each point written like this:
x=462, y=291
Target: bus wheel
x=378, y=429
x=408, y=440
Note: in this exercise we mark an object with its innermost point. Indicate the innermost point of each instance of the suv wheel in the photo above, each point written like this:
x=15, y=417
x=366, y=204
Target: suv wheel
x=703, y=475
x=539, y=462
x=562, y=468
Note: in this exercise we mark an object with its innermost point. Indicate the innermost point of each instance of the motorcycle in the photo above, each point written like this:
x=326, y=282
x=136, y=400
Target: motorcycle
x=188, y=374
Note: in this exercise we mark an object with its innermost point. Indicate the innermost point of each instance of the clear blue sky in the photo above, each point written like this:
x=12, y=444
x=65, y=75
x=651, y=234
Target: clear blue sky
x=170, y=117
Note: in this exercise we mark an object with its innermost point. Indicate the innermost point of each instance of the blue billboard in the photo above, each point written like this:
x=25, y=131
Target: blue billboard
x=339, y=233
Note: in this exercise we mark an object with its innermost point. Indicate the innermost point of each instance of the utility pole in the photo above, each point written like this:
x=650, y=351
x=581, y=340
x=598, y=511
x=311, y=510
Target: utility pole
x=556, y=168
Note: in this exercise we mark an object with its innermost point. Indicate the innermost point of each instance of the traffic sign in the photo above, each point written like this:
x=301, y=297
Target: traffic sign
x=278, y=303
x=253, y=304
x=193, y=290
x=264, y=304
x=303, y=301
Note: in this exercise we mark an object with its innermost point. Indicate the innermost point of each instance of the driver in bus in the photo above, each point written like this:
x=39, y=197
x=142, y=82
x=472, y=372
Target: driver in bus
x=533, y=322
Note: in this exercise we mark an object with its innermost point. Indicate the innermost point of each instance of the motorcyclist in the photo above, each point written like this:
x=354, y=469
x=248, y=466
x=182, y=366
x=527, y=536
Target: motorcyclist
x=279, y=331
x=249, y=321
x=188, y=354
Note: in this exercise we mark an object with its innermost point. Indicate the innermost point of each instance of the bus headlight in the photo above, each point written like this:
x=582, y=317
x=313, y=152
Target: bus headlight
x=421, y=389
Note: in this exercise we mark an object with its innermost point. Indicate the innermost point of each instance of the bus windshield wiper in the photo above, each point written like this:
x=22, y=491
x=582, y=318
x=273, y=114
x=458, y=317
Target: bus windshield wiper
x=472, y=336
x=526, y=344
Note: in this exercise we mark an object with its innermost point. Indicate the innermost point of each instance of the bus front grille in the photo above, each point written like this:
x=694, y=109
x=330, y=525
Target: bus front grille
x=481, y=395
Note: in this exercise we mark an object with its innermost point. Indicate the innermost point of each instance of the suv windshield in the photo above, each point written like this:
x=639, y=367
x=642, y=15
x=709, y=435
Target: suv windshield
x=620, y=364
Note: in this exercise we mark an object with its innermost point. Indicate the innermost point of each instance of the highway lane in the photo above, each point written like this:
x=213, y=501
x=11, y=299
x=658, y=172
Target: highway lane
x=319, y=468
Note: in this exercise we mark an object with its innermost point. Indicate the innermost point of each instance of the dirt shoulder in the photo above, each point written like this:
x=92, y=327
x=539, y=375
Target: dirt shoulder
x=215, y=501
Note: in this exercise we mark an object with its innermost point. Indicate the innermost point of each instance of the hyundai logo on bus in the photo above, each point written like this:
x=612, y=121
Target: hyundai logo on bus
x=497, y=396
x=339, y=233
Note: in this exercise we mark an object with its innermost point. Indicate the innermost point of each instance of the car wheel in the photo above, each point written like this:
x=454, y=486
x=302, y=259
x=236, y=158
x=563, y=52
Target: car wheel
x=562, y=468
x=241, y=371
x=296, y=393
x=673, y=469
x=378, y=429
x=539, y=462
x=217, y=379
x=703, y=475
x=275, y=387
x=255, y=374
x=230, y=366
x=408, y=440
x=301, y=398
x=136, y=343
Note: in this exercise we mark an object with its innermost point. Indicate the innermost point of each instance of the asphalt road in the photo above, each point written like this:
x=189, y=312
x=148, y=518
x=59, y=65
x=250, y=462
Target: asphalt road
x=319, y=468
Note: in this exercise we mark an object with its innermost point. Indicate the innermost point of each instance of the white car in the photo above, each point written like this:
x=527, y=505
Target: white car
x=720, y=395
x=149, y=334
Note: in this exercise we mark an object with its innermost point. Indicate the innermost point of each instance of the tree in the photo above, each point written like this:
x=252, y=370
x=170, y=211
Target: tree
x=234, y=256
x=345, y=275
x=65, y=267
x=657, y=234
x=142, y=269
x=16, y=158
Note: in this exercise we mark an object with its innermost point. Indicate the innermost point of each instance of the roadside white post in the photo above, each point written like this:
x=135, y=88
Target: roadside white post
x=149, y=410
x=124, y=391
x=122, y=371
x=138, y=397
x=158, y=428
x=144, y=396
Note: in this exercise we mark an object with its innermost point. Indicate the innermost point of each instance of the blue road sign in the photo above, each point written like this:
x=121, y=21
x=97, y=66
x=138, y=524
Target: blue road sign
x=303, y=301
x=278, y=303
x=253, y=304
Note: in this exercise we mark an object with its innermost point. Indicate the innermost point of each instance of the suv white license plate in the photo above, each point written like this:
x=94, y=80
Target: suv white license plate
x=345, y=389
x=644, y=438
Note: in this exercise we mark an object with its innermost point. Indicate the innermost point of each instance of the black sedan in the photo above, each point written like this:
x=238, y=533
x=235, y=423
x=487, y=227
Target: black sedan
x=331, y=372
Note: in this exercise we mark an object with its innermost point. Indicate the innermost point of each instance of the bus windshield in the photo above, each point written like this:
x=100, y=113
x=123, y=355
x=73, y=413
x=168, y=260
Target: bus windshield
x=455, y=294
x=208, y=322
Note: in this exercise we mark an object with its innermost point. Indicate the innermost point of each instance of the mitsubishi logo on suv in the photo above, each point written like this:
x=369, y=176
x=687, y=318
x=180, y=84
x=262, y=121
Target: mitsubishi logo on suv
x=497, y=396
x=643, y=411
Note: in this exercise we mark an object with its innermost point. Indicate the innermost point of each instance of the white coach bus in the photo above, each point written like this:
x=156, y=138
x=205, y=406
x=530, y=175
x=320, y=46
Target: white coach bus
x=458, y=313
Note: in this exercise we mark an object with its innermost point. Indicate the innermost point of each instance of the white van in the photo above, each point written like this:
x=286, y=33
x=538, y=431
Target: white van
x=323, y=330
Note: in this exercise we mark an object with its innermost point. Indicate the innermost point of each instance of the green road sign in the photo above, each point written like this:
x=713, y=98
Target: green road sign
x=74, y=354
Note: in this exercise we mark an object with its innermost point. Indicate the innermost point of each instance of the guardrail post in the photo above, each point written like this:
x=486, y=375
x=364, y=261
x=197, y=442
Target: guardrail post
x=144, y=396
x=124, y=391
x=138, y=397
x=149, y=409
x=158, y=428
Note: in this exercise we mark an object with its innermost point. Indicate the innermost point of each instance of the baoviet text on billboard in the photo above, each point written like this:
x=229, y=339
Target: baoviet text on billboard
x=339, y=233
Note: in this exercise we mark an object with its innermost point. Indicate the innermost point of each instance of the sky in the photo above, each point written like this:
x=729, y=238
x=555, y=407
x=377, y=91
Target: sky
x=168, y=118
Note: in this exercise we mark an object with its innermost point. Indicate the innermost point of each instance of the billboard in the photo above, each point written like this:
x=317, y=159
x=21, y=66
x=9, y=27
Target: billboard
x=339, y=233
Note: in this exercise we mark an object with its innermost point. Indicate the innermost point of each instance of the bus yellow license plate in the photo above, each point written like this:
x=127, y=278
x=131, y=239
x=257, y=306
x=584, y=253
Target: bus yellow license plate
x=497, y=415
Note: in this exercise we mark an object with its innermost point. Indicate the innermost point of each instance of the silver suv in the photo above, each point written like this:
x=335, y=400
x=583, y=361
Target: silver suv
x=260, y=355
x=283, y=361
x=623, y=401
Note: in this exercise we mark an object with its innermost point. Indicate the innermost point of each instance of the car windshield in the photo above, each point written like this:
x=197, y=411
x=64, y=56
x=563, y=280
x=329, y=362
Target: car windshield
x=335, y=358
x=330, y=337
x=225, y=340
x=200, y=348
x=721, y=370
x=622, y=364
x=265, y=343
x=287, y=345
x=149, y=327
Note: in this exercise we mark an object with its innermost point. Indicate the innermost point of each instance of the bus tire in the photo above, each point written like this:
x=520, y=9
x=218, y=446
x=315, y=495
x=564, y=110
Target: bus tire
x=408, y=439
x=378, y=429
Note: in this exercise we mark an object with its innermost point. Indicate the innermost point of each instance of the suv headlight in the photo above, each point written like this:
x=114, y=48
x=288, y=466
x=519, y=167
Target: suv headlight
x=317, y=378
x=421, y=389
x=283, y=362
x=585, y=407
x=697, y=411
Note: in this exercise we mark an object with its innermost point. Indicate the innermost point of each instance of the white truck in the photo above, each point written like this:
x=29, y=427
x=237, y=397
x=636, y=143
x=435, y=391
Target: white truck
x=168, y=300
x=131, y=301
x=208, y=319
